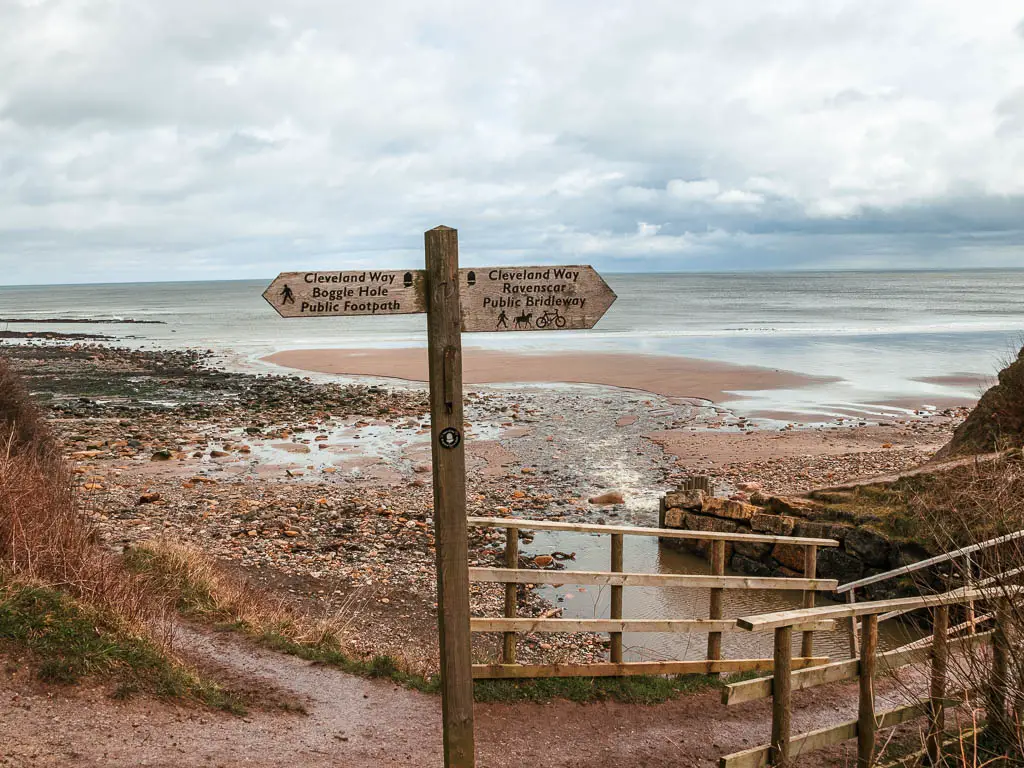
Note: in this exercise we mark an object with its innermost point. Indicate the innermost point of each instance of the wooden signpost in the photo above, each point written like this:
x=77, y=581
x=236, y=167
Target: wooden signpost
x=484, y=299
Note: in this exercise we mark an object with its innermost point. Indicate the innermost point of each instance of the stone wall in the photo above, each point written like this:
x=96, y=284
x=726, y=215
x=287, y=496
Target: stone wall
x=861, y=551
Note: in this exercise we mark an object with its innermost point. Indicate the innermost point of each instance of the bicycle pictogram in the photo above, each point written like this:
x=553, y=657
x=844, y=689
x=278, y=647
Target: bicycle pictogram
x=551, y=318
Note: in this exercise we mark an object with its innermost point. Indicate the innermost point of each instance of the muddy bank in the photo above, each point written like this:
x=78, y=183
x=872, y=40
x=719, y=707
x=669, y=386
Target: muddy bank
x=666, y=376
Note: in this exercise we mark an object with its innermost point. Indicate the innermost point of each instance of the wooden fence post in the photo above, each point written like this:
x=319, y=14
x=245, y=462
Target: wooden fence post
x=968, y=578
x=866, y=725
x=782, y=684
x=508, y=654
x=940, y=661
x=444, y=353
x=998, y=682
x=716, y=600
x=851, y=598
x=810, y=572
x=616, y=601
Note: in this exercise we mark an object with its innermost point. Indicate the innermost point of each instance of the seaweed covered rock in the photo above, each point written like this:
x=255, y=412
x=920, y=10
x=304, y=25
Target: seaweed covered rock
x=997, y=422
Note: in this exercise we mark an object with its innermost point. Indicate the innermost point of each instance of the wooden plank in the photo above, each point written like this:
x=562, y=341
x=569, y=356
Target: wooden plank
x=926, y=642
x=999, y=682
x=810, y=571
x=768, y=621
x=851, y=598
x=866, y=724
x=331, y=293
x=601, y=625
x=444, y=351
x=615, y=609
x=716, y=599
x=542, y=298
x=617, y=625
x=940, y=661
x=628, y=530
x=761, y=688
x=607, y=669
x=930, y=561
x=804, y=744
x=609, y=579
x=782, y=703
x=508, y=650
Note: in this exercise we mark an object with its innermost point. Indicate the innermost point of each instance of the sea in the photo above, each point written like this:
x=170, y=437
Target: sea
x=895, y=340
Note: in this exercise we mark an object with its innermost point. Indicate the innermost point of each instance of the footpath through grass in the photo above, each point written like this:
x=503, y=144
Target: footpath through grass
x=204, y=592
x=68, y=641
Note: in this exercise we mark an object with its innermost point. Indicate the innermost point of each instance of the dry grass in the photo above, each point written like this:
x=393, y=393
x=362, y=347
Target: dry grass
x=201, y=589
x=45, y=538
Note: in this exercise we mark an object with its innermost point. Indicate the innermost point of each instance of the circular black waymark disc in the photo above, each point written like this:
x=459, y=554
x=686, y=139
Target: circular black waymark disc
x=449, y=438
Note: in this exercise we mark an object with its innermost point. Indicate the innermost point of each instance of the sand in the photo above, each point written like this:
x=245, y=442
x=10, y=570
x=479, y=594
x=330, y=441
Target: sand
x=668, y=376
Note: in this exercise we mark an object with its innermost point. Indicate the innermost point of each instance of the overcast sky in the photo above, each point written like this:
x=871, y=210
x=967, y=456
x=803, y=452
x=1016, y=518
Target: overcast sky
x=192, y=139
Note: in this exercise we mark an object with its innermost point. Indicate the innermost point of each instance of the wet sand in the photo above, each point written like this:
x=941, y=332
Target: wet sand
x=668, y=376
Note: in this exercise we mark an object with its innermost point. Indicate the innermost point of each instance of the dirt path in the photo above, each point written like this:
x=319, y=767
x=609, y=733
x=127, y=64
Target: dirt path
x=929, y=468
x=355, y=722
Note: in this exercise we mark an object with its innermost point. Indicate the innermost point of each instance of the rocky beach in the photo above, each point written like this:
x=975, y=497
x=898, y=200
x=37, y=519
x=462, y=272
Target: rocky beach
x=321, y=490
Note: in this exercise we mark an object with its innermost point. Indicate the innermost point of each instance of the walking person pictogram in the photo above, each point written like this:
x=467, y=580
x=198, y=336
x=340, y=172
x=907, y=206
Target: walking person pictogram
x=503, y=320
x=287, y=297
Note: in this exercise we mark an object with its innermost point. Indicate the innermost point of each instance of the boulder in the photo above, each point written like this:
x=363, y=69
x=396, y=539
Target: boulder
x=727, y=508
x=791, y=505
x=748, y=487
x=674, y=518
x=689, y=500
x=751, y=549
x=871, y=547
x=743, y=564
x=605, y=499
x=834, y=563
x=790, y=555
x=777, y=525
x=811, y=530
x=543, y=561
x=783, y=572
x=703, y=523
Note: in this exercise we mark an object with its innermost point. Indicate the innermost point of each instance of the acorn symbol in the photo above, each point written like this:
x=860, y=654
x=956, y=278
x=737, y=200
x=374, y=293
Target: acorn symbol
x=471, y=277
x=408, y=280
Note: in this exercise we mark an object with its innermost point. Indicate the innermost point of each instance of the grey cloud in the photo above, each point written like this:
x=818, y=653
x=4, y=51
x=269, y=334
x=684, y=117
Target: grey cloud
x=238, y=138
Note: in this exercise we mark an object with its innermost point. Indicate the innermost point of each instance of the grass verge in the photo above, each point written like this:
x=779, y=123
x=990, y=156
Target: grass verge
x=642, y=689
x=204, y=592
x=69, y=640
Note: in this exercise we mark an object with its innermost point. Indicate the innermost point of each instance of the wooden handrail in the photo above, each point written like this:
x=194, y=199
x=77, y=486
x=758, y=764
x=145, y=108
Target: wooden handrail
x=664, y=533
x=904, y=570
x=806, y=743
x=612, y=578
x=768, y=621
x=609, y=669
x=837, y=671
x=622, y=625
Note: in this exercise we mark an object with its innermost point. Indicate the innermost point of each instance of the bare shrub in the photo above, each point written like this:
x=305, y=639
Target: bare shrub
x=952, y=510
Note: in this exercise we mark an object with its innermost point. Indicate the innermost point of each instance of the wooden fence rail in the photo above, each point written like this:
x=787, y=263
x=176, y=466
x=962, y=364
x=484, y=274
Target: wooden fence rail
x=616, y=578
x=965, y=555
x=783, y=747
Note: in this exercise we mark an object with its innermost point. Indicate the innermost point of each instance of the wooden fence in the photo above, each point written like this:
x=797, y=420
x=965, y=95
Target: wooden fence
x=963, y=557
x=615, y=578
x=784, y=748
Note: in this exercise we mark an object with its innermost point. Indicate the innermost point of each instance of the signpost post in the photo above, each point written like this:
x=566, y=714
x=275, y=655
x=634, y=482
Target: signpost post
x=483, y=299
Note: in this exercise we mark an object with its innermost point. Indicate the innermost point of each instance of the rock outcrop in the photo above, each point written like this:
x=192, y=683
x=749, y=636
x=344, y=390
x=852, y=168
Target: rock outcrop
x=997, y=422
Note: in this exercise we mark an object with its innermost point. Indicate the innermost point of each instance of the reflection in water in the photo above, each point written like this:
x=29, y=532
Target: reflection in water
x=644, y=554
